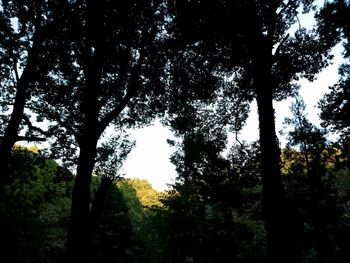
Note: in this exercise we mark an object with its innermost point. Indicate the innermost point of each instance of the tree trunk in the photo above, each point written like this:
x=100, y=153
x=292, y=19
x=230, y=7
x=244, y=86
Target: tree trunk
x=281, y=221
x=12, y=128
x=100, y=198
x=78, y=240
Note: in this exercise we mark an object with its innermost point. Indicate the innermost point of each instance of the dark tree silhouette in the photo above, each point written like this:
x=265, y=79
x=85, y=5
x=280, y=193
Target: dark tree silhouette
x=101, y=72
x=254, y=36
x=312, y=143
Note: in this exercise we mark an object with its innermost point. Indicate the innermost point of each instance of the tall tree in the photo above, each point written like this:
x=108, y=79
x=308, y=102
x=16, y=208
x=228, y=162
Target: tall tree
x=254, y=36
x=101, y=74
x=312, y=145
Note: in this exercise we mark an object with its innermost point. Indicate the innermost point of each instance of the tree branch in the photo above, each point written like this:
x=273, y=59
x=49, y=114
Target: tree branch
x=27, y=138
x=32, y=127
x=16, y=71
x=147, y=33
x=109, y=117
x=285, y=7
x=30, y=138
x=121, y=78
x=280, y=45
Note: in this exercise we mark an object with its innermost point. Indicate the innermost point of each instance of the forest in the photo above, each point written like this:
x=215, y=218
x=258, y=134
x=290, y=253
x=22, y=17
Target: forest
x=76, y=76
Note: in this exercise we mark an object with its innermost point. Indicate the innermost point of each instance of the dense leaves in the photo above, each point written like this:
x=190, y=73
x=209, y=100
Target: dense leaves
x=334, y=26
x=35, y=215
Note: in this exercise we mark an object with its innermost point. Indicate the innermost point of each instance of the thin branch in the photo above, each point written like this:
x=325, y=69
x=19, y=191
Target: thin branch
x=28, y=138
x=16, y=71
x=31, y=138
x=280, y=45
x=55, y=117
x=286, y=6
x=298, y=21
x=32, y=127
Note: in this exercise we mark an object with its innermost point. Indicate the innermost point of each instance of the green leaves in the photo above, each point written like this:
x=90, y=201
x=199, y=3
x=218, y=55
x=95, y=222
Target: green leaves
x=36, y=209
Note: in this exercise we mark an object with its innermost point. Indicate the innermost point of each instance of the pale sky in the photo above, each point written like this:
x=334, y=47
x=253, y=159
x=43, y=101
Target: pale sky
x=149, y=159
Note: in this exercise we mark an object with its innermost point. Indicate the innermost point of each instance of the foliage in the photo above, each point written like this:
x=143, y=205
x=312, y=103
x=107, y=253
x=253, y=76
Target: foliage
x=312, y=177
x=334, y=27
x=146, y=215
x=36, y=209
x=111, y=234
x=214, y=212
x=111, y=155
x=133, y=203
x=144, y=192
x=119, y=53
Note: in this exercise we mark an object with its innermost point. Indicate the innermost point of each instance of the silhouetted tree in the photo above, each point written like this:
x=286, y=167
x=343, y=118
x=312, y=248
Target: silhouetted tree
x=101, y=73
x=213, y=205
x=310, y=139
x=311, y=142
x=254, y=36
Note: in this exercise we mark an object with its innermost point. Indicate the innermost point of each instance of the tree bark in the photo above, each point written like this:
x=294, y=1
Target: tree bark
x=78, y=240
x=281, y=220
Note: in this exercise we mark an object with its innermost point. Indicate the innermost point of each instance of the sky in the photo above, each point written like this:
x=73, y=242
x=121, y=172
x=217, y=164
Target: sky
x=149, y=159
